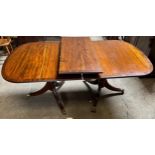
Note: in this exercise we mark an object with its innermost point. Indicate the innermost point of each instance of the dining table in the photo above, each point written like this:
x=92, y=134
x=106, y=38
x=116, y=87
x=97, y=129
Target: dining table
x=75, y=58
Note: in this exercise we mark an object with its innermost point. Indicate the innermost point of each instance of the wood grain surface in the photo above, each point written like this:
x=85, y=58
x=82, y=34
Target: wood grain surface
x=121, y=59
x=32, y=62
x=78, y=56
x=39, y=61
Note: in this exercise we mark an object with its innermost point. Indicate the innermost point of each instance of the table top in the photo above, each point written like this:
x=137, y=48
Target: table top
x=47, y=61
x=121, y=59
x=78, y=56
x=32, y=62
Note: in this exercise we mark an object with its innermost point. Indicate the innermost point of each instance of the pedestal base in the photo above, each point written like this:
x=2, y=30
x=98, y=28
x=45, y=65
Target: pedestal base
x=52, y=86
x=101, y=84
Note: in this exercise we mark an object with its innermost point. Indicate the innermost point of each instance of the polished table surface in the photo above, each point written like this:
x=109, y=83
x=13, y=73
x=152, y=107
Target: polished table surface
x=75, y=58
x=32, y=62
x=121, y=59
x=78, y=56
x=44, y=61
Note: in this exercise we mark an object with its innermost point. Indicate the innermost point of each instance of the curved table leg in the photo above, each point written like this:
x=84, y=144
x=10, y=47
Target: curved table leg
x=105, y=83
x=52, y=86
x=59, y=101
x=94, y=96
x=42, y=90
x=48, y=86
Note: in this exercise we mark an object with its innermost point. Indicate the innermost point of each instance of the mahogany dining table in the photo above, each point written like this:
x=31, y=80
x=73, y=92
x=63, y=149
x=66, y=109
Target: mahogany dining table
x=75, y=58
